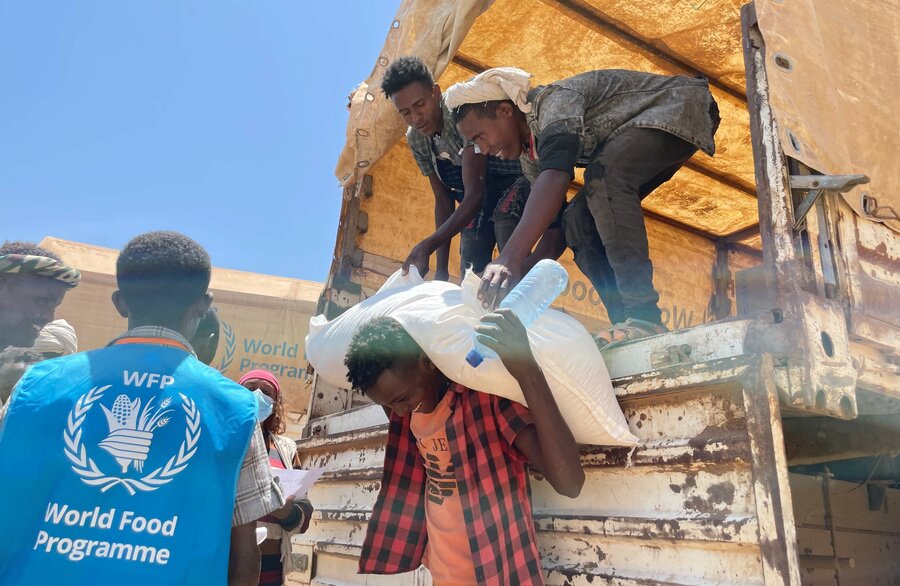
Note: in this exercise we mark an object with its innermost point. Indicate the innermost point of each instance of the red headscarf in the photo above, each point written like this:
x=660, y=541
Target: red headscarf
x=261, y=374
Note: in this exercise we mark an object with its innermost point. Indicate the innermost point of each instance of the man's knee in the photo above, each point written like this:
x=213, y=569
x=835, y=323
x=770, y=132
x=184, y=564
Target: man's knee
x=578, y=224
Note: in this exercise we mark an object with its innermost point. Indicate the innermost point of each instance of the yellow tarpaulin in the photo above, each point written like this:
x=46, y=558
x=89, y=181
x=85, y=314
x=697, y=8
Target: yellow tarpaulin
x=555, y=39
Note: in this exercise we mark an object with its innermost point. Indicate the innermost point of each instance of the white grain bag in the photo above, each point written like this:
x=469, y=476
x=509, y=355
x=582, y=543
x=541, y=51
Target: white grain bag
x=440, y=317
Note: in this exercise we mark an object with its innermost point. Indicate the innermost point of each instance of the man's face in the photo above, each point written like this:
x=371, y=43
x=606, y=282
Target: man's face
x=420, y=107
x=407, y=388
x=27, y=304
x=498, y=136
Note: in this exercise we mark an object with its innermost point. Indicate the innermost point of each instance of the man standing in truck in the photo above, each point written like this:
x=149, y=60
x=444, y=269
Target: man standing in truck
x=489, y=191
x=631, y=131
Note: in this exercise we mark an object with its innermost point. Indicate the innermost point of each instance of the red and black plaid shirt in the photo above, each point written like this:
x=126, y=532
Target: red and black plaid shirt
x=492, y=476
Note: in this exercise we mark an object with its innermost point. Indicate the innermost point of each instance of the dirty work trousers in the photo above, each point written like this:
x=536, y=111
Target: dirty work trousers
x=604, y=224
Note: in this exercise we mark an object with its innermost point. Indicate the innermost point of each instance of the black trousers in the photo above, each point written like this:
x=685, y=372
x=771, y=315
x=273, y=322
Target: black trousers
x=477, y=241
x=604, y=224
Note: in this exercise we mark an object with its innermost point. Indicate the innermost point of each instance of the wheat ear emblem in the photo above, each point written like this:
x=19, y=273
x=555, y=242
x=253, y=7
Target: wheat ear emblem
x=131, y=429
x=131, y=433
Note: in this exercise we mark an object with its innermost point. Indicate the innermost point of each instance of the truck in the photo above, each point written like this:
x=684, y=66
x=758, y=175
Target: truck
x=769, y=416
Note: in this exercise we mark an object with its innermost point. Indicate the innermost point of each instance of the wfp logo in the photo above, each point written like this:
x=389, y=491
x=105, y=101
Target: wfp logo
x=228, y=357
x=130, y=440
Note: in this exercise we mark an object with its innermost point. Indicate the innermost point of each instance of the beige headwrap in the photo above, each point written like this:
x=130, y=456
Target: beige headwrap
x=499, y=83
x=57, y=337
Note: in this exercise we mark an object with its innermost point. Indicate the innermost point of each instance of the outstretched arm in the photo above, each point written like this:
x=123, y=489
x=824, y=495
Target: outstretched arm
x=548, y=444
x=448, y=225
x=420, y=254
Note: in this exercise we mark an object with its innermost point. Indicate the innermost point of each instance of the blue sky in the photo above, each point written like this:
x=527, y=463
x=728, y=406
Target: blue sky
x=222, y=120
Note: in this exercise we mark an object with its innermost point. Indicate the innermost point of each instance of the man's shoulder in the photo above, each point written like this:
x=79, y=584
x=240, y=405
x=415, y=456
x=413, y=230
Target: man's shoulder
x=576, y=88
x=588, y=78
x=213, y=374
x=212, y=379
x=477, y=397
x=499, y=406
x=66, y=364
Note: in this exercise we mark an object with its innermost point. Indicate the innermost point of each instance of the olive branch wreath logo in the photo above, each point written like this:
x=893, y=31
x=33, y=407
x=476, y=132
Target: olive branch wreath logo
x=87, y=469
x=229, y=348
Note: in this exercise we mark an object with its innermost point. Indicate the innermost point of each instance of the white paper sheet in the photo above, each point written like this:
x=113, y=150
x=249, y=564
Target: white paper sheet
x=261, y=534
x=297, y=483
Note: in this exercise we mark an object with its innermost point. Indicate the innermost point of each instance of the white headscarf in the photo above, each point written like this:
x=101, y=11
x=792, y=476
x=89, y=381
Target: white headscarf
x=57, y=337
x=499, y=83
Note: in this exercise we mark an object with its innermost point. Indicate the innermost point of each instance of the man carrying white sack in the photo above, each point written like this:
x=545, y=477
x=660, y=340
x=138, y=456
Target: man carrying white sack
x=631, y=131
x=455, y=495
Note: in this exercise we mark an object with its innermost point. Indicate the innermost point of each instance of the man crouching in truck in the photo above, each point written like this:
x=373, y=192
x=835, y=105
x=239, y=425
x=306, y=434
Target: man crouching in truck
x=490, y=191
x=455, y=494
x=630, y=130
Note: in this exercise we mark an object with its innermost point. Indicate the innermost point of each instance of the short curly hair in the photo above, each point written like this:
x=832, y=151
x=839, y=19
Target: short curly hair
x=404, y=71
x=160, y=274
x=29, y=248
x=377, y=346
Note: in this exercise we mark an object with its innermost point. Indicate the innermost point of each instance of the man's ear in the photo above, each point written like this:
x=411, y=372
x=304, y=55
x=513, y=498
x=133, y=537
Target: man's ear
x=119, y=303
x=505, y=108
x=437, y=92
x=201, y=305
x=190, y=320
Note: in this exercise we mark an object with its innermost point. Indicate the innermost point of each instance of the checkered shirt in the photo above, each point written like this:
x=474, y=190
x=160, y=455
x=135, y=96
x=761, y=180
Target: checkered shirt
x=258, y=493
x=492, y=476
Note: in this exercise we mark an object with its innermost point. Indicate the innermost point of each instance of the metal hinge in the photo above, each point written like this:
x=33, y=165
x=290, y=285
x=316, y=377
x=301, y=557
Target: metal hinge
x=815, y=185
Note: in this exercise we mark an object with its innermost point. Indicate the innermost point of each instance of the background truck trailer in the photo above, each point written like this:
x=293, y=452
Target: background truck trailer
x=264, y=318
x=768, y=418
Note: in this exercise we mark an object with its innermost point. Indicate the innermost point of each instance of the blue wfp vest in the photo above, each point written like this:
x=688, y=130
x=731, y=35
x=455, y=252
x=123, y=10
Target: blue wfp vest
x=120, y=466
